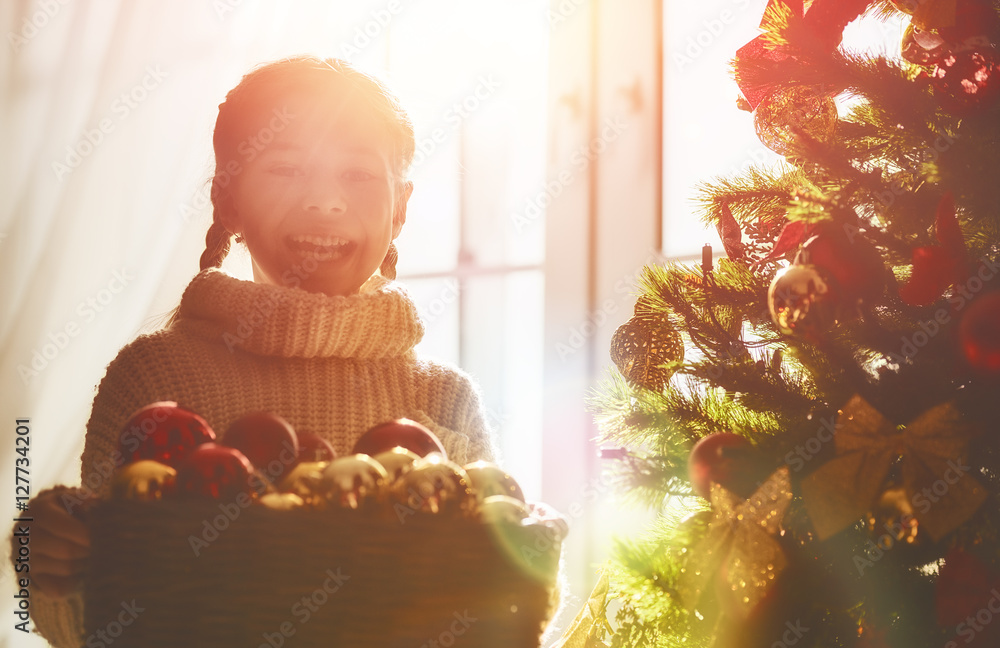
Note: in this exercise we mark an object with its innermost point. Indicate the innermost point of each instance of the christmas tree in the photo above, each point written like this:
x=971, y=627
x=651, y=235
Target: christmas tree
x=815, y=420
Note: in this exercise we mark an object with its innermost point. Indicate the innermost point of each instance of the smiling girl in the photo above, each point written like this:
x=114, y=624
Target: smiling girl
x=311, y=160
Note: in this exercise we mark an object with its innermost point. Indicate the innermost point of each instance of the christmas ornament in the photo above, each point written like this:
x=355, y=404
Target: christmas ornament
x=402, y=432
x=791, y=237
x=355, y=482
x=303, y=480
x=267, y=440
x=963, y=584
x=314, y=448
x=968, y=82
x=787, y=116
x=893, y=516
x=212, y=470
x=931, y=449
x=821, y=28
x=143, y=480
x=396, y=461
x=549, y=517
x=641, y=346
x=163, y=431
x=979, y=333
x=281, y=501
x=740, y=538
x=845, y=255
x=935, y=267
x=804, y=300
x=488, y=479
x=435, y=484
x=730, y=233
x=725, y=459
x=922, y=47
x=497, y=509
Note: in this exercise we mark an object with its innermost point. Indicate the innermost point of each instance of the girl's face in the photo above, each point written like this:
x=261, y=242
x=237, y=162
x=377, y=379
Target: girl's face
x=316, y=200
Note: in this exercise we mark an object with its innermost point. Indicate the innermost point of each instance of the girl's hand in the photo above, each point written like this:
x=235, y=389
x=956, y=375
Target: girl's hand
x=60, y=545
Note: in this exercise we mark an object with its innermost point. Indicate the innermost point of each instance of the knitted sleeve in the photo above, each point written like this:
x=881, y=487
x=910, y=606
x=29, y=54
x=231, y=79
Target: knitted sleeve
x=456, y=415
x=60, y=620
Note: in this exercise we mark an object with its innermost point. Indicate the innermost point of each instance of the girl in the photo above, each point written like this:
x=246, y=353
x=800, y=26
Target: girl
x=311, y=157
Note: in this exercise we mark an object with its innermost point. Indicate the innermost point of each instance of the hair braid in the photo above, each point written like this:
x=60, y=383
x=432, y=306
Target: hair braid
x=388, y=267
x=217, y=242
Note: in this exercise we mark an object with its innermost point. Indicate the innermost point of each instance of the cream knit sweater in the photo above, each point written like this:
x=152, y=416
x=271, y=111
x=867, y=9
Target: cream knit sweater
x=334, y=366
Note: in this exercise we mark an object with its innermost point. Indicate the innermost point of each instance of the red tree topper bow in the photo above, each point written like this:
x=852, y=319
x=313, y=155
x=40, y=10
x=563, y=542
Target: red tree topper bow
x=935, y=267
x=825, y=22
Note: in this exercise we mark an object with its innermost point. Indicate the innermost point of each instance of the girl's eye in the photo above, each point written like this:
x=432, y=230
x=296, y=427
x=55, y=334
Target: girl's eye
x=288, y=171
x=358, y=175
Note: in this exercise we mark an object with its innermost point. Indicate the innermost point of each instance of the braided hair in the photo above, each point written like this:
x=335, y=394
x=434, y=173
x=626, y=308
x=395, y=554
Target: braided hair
x=252, y=100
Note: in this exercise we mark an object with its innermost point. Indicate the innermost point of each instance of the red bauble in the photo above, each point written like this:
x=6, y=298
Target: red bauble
x=979, y=332
x=969, y=81
x=726, y=459
x=315, y=448
x=962, y=587
x=848, y=257
x=213, y=470
x=163, y=431
x=266, y=440
x=401, y=432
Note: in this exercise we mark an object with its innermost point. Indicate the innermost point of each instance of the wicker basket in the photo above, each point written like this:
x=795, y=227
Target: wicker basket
x=314, y=578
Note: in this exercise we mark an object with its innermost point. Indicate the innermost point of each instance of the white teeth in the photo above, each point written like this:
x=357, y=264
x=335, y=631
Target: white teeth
x=324, y=241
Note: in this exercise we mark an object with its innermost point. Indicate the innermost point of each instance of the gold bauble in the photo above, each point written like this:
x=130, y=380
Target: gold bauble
x=489, y=479
x=355, y=481
x=396, y=461
x=303, y=480
x=785, y=116
x=434, y=485
x=143, y=480
x=641, y=345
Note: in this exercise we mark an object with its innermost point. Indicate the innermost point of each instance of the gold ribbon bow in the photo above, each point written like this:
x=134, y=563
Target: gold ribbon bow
x=740, y=538
x=591, y=622
x=934, y=474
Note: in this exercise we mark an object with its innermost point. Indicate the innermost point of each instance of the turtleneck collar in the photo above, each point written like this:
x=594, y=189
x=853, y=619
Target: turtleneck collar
x=379, y=322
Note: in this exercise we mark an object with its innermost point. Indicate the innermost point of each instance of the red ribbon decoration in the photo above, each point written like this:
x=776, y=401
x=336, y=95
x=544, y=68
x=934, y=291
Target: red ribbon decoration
x=935, y=267
x=730, y=233
x=825, y=21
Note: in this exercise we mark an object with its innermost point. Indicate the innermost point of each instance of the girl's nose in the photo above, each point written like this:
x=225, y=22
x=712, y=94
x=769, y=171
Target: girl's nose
x=325, y=197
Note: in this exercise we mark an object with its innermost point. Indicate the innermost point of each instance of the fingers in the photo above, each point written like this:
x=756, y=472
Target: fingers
x=52, y=517
x=55, y=548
